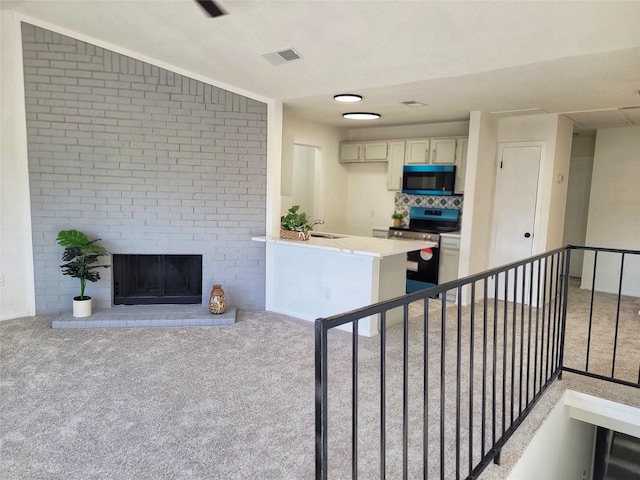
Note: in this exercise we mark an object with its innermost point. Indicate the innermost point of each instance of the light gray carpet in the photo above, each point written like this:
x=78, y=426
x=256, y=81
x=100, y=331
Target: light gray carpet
x=230, y=402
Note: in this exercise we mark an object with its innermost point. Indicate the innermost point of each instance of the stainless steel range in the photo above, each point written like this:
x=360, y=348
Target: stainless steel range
x=425, y=224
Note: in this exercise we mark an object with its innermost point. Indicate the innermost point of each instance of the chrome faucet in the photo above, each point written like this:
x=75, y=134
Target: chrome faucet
x=316, y=222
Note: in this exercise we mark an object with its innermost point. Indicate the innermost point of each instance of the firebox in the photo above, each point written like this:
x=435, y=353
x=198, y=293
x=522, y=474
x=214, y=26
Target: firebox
x=157, y=279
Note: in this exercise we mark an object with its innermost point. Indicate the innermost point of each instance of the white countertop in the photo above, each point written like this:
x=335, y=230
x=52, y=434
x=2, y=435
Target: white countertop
x=451, y=234
x=369, y=246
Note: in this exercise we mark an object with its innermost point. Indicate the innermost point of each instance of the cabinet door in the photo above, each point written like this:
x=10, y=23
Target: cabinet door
x=417, y=151
x=394, y=167
x=443, y=150
x=461, y=163
x=351, y=152
x=375, y=152
x=449, y=270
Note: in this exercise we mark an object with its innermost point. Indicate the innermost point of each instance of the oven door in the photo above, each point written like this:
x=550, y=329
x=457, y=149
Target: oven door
x=422, y=268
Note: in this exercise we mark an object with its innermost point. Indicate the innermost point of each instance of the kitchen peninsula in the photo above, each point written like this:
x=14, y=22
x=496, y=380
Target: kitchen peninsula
x=335, y=273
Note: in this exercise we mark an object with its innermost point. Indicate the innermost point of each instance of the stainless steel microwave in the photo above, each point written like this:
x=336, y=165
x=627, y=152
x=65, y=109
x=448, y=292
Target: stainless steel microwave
x=428, y=179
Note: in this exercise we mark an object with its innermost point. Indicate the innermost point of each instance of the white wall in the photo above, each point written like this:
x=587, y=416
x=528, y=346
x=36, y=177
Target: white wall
x=478, y=196
x=614, y=209
x=561, y=448
x=17, y=298
x=330, y=179
x=557, y=132
x=578, y=191
x=303, y=181
x=369, y=202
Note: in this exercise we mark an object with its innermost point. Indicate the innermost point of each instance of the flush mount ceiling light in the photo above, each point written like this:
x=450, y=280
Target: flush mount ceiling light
x=361, y=116
x=347, y=98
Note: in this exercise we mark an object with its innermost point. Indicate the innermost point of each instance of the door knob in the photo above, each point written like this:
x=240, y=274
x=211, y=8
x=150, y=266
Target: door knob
x=527, y=235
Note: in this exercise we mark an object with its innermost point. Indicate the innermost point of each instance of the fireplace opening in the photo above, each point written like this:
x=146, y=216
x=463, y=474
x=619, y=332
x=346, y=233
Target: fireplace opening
x=157, y=279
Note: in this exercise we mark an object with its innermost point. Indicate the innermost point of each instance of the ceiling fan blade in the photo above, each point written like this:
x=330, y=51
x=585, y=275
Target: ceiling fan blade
x=211, y=8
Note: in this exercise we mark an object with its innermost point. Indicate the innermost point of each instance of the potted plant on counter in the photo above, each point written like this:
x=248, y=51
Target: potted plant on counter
x=397, y=218
x=294, y=225
x=81, y=255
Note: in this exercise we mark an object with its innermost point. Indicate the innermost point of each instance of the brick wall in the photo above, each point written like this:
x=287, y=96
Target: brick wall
x=148, y=160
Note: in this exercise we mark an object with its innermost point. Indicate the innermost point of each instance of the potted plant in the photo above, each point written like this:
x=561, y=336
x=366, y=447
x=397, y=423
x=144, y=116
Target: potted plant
x=294, y=225
x=397, y=218
x=81, y=255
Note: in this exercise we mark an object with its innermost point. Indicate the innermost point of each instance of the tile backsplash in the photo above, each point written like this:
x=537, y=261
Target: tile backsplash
x=404, y=202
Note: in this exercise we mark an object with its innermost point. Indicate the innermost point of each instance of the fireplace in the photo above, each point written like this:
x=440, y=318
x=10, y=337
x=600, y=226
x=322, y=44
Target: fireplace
x=157, y=279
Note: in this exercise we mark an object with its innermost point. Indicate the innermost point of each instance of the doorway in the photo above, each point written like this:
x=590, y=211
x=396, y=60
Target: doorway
x=515, y=204
x=575, y=223
x=306, y=175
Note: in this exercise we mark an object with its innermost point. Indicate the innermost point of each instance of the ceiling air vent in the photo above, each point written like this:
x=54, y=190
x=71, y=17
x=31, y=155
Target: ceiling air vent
x=413, y=104
x=282, y=56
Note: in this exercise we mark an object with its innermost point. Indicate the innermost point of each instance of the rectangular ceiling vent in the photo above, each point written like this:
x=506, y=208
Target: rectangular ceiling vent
x=413, y=104
x=282, y=56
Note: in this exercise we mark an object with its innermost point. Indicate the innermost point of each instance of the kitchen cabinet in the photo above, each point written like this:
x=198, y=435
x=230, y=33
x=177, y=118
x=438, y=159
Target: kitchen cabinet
x=417, y=151
x=461, y=163
x=353, y=152
x=394, y=167
x=449, y=258
x=350, y=152
x=443, y=151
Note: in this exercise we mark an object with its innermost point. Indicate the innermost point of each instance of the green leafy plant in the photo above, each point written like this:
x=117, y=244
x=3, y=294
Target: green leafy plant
x=397, y=215
x=81, y=256
x=294, y=221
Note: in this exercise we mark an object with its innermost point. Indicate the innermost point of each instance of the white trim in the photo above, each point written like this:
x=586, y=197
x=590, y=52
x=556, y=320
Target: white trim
x=603, y=413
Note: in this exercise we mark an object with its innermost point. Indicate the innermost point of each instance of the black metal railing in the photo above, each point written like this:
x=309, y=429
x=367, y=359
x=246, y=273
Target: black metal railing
x=605, y=311
x=439, y=395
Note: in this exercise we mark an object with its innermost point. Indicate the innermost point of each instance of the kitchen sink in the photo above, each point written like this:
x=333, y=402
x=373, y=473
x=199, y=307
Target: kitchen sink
x=326, y=235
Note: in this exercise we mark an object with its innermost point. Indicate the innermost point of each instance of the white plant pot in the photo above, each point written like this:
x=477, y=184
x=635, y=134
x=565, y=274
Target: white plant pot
x=82, y=308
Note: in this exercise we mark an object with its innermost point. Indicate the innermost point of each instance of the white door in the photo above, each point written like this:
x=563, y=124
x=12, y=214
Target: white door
x=515, y=209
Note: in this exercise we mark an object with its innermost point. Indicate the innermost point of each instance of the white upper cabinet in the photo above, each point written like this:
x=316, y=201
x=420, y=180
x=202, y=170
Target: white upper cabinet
x=417, y=151
x=394, y=168
x=375, y=151
x=351, y=152
x=461, y=163
x=443, y=151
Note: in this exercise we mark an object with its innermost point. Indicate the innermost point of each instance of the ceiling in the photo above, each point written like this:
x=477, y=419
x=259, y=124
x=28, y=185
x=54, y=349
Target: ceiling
x=579, y=58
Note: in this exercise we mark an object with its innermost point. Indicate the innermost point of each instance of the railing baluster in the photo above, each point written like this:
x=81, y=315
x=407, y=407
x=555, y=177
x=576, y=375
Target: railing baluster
x=383, y=395
x=458, y=385
x=530, y=309
x=565, y=304
x=321, y=393
x=593, y=291
x=471, y=365
x=542, y=327
x=513, y=339
x=405, y=393
x=551, y=299
x=555, y=316
x=495, y=362
x=354, y=400
x=425, y=393
x=537, y=333
x=522, y=303
x=443, y=315
x=504, y=350
x=484, y=363
x=615, y=340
